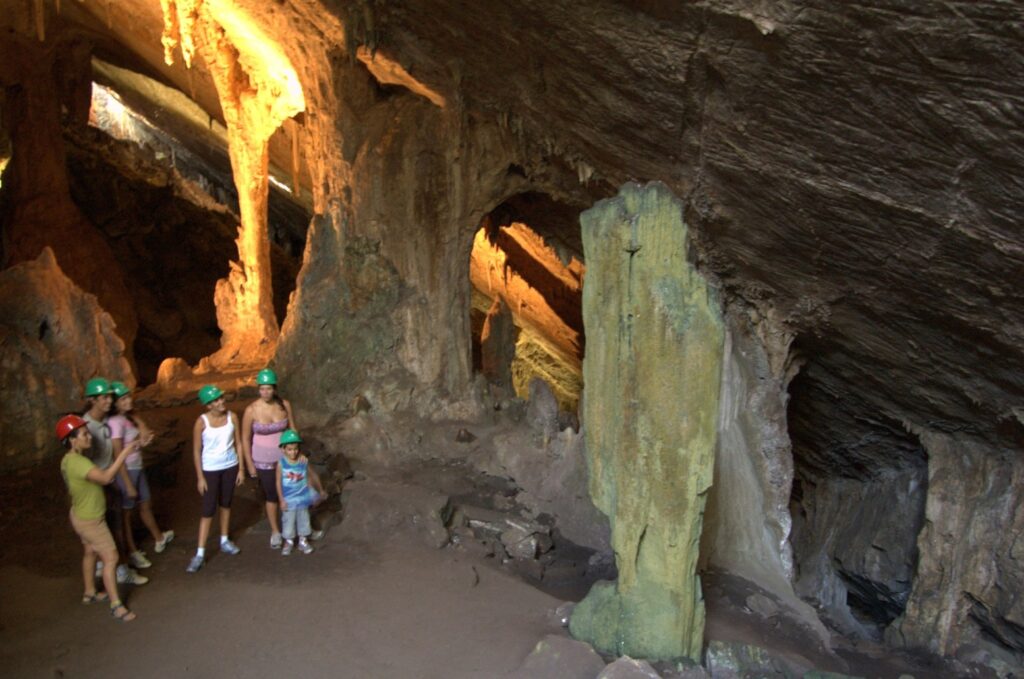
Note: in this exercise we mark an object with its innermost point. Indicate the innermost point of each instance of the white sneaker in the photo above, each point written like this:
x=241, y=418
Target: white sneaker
x=305, y=547
x=287, y=548
x=229, y=547
x=126, y=576
x=161, y=545
x=275, y=541
x=138, y=560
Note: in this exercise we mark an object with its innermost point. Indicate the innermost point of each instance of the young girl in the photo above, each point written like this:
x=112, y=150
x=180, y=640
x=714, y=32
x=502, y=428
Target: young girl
x=131, y=480
x=88, y=505
x=215, y=442
x=296, y=483
x=262, y=424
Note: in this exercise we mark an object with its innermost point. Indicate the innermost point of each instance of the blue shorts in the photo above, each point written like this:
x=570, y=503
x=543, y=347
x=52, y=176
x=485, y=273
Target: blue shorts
x=138, y=477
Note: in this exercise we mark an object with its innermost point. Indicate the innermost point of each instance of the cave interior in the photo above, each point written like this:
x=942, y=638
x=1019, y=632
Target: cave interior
x=384, y=202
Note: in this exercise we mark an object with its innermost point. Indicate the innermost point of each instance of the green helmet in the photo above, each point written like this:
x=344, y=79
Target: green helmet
x=120, y=389
x=289, y=436
x=209, y=394
x=266, y=376
x=97, y=386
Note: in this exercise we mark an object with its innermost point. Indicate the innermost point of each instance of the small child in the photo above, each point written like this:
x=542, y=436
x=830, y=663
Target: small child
x=298, y=488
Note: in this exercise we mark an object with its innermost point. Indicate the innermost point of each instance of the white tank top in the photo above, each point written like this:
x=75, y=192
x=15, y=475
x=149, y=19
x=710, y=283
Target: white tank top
x=219, y=445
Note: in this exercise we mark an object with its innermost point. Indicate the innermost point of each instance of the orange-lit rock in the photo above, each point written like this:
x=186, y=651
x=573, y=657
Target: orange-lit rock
x=543, y=297
x=53, y=338
x=258, y=90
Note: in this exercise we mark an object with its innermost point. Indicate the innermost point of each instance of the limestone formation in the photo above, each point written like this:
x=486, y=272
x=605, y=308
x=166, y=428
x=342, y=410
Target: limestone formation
x=53, y=338
x=498, y=344
x=654, y=360
x=970, y=552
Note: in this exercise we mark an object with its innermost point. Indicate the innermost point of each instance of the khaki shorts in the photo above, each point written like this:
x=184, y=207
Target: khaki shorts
x=94, y=534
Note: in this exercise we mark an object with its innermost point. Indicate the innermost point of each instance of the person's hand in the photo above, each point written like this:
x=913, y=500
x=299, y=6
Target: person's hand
x=252, y=472
x=284, y=505
x=202, y=485
x=240, y=479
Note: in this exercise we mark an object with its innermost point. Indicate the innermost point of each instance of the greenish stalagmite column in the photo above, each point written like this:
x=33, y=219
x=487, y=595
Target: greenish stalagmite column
x=651, y=376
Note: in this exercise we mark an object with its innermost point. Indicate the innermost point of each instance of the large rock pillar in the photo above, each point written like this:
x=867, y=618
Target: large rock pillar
x=652, y=375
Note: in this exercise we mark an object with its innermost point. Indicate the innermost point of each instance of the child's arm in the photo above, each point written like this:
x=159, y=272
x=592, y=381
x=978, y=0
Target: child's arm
x=280, y=492
x=247, y=440
x=105, y=476
x=197, y=453
x=238, y=446
x=126, y=481
x=314, y=481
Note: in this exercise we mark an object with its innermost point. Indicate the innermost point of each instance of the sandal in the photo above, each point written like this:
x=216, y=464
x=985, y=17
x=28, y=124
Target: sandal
x=94, y=597
x=126, y=615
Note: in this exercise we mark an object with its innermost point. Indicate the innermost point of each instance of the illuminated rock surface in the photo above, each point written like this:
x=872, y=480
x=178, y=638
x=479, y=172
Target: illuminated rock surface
x=655, y=338
x=53, y=339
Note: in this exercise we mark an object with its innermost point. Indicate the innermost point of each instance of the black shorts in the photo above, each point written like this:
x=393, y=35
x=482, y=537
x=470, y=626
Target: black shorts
x=220, y=489
x=268, y=482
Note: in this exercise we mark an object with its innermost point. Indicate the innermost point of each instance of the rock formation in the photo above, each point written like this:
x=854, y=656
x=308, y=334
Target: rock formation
x=655, y=355
x=53, y=338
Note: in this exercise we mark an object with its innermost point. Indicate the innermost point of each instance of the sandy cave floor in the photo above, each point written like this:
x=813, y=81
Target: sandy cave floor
x=388, y=609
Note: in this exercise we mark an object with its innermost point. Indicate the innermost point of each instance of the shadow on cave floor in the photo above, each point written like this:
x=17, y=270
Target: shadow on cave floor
x=352, y=609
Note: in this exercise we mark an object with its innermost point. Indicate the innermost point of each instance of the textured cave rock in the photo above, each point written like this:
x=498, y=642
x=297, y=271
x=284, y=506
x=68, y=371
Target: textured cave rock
x=967, y=589
x=498, y=345
x=53, y=338
x=37, y=210
x=654, y=366
x=171, y=241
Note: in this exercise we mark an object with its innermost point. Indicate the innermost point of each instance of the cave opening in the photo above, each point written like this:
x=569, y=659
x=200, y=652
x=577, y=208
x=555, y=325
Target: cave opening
x=858, y=502
x=526, y=270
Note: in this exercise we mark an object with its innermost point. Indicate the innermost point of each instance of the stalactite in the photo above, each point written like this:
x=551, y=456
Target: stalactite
x=295, y=158
x=40, y=18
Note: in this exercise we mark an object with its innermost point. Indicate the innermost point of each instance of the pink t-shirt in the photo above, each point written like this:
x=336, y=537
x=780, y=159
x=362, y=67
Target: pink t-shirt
x=122, y=428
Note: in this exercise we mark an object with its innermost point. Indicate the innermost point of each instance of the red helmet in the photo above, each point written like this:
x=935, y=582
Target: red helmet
x=67, y=426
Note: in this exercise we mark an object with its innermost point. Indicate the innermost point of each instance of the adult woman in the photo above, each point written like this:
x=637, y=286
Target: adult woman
x=126, y=427
x=215, y=442
x=262, y=424
x=88, y=505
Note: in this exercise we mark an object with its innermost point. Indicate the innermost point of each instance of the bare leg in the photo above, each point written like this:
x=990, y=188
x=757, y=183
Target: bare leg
x=129, y=539
x=204, y=530
x=89, y=571
x=146, y=514
x=225, y=520
x=275, y=526
x=109, y=573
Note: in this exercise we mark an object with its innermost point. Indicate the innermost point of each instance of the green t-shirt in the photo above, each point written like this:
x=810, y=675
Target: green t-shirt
x=87, y=500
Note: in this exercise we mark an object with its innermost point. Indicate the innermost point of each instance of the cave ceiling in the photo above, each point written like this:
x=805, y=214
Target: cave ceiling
x=852, y=171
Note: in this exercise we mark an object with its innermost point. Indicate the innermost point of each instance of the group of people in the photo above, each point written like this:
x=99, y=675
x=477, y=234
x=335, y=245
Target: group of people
x=103, y=467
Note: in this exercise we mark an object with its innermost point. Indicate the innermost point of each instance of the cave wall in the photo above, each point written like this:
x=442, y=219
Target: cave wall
x=54, y=337
x=46, y=85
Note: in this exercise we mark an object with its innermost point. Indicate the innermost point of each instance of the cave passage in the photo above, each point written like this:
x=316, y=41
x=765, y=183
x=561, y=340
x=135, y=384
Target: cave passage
x=526, y=311
x=168, y=209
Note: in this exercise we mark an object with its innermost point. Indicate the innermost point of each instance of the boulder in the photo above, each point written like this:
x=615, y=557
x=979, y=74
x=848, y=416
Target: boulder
x=556, y=657
x=53, y=338
x=378, y=510
x=628, y=668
